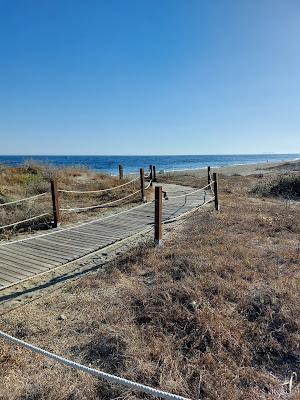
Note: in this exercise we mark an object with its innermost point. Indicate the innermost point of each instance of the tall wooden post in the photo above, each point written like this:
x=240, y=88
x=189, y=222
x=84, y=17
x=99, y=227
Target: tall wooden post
x=154, y=174
x=55, y=203
x=142, y=178
x=158, y=215
x=215, y=178
x=121, y=171
x=151, y=172
x=208, y=175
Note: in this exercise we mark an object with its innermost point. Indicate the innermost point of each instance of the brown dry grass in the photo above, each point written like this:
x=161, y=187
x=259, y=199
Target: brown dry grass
x=212, y=314
x=32, y=178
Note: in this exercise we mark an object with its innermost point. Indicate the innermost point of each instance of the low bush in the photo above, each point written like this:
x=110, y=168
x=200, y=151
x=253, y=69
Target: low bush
x=286, y=186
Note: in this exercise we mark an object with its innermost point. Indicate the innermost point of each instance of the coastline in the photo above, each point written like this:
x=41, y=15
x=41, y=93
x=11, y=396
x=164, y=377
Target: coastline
x=242, y=169
x=131, y=164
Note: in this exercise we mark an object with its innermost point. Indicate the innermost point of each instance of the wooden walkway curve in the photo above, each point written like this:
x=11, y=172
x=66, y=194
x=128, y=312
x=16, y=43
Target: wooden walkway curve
x=36, y=254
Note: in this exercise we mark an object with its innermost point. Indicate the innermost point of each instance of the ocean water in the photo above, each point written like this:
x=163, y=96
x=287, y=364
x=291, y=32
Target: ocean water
x=131, y=164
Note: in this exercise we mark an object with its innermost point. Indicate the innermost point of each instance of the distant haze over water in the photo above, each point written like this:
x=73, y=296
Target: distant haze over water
x=109, y=164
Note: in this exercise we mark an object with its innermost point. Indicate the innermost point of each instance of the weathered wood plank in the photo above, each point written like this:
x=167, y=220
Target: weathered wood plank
x=34, y=256
x=51, y=247
x=16, y=270
x=11, y=256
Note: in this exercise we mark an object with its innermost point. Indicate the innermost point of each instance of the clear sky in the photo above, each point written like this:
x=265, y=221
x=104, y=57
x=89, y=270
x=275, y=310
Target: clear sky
x=149, y=76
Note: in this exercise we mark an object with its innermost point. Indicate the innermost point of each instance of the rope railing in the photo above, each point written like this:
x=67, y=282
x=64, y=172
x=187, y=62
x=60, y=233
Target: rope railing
x=78, y=225
x=55, y=203
x=24, y=220
x=149, y=184
x=148, y=176
x=98, y=191
x=211, y=180
x=75, y=209
x=188, y=193
x=24, y=199
x=213, y=185
x=167, y=221
x=91, y=371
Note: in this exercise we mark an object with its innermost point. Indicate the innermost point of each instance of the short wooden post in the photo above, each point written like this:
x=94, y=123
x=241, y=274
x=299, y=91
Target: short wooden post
x=154, y=174
x=55, y=203
x=215, y=178
x=142, y=178
x=208, y=175
x=121, y=171
x=158, y=215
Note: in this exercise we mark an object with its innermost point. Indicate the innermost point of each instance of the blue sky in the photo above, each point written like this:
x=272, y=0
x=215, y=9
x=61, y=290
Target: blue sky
x=149, y=76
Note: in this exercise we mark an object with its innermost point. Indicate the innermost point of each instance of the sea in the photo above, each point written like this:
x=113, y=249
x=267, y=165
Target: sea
x=131, y=164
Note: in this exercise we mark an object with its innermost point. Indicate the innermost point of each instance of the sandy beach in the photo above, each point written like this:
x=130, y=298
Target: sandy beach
x=247, y=169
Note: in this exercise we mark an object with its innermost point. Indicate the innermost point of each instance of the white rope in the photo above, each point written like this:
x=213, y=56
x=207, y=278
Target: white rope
x=98, y=205
x=148, y=176
x=94, y=372
x=149, y=184
x=97, y=191
x=189, y=193
x=25, y=199
x=166, y=221
x=211, y=181
x=24, y=220
x=55, y=231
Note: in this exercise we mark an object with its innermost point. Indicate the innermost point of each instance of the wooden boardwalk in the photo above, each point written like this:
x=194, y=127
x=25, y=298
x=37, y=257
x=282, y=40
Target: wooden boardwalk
x=36, y=254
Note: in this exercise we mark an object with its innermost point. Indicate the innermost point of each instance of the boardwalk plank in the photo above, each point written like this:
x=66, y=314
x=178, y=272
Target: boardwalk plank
x=11, y=256
x=34, y=255
x=51, y=247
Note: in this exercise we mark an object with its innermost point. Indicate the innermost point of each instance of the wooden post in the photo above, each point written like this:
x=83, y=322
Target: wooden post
x=120, y=171
x=142, y=177
x=151, y=172
x=208, y=175
x=158, y=215
x=55, y=203
x=215, y=178
x=154, y=174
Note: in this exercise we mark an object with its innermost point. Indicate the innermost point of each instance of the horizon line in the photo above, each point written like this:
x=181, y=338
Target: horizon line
x=145, y=155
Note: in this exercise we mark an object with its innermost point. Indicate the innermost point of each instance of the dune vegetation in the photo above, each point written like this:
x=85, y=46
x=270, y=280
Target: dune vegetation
x=213, y=313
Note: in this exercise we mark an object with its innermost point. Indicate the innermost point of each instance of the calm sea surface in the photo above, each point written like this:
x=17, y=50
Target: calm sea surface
x=109, y=164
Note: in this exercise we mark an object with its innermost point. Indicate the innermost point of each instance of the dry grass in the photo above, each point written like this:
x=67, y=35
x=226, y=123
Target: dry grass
x=212, y=314
x=33, y=178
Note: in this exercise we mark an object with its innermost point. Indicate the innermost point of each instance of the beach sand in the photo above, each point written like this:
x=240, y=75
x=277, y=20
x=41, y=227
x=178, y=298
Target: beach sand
x=247, y=169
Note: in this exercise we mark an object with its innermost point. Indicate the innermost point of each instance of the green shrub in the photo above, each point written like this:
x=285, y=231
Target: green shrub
x=287, y=186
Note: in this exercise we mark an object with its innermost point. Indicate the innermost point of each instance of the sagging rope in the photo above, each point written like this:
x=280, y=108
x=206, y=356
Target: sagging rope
x=98, y=191
x=148, y=176
x=189, y=193
x=167, y=221
x=99, y=205
x=149, y=184
x=91, y=371
x=24, y=199
x=24, y=220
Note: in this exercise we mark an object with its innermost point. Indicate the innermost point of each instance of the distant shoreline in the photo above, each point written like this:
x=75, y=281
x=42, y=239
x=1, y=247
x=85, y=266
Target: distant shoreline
x=132, y=164
x=241, y=169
